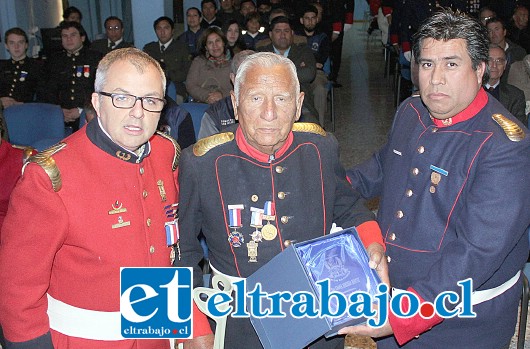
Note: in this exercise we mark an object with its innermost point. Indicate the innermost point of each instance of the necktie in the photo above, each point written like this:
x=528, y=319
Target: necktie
x=491, y=88
x=162, y=48
x=112, y=44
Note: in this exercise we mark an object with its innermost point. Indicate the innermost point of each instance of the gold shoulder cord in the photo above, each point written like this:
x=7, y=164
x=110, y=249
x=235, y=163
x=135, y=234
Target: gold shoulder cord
x=44, y=159
x=512, y=130
x=175, y=145
x=206, y=144
x=308, y=127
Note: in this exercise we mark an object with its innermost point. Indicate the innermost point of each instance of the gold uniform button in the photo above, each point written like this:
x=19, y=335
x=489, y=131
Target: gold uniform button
x=408, y=193
x=73, y=82
x=148, y=222
x=152, y=249
x=393, y=237
x=421, y=149
x=399, y=214
x=73, y=67
x=72, y=90
x=72, y=98
x=142, y=170
x=434, y=130
x=144, y=194
x=388, y=259
x=432, y=189
x=281, y=195
x=254, y=198
x=287, y=243
x=14, y=80
x=284, y=219
x=415, y=171
x=279, y=169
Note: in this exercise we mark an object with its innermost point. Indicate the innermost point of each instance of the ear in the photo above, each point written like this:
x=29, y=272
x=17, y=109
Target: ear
x=83, y=38
x=301, y=20
x=95, y=102
x=481, y=68
x=234, y=104
x=299, y=106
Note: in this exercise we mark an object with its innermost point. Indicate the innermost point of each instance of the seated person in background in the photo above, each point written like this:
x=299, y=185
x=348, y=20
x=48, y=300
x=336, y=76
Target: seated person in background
x=171, y=54
x=232, y=30
x=318, y=42
x=497, y=35
x=246, y=8
x=20, y=76
x=281, y=34
x=264, y=9
x=279, y=12
x=485, y=14
x=73, y=14
x=114, y=40
x=190, y=37
x=518, y=27
x=209, y=13
x=228, y=12
x=510, y=96
x=253, y=34
x=520, y=77
x=209, y=76
x=176, y=122
x=71, y=73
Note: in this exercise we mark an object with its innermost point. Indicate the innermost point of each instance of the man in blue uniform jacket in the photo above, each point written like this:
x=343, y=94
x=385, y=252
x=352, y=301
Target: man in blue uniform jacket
x=454, y=200
x=264, y=184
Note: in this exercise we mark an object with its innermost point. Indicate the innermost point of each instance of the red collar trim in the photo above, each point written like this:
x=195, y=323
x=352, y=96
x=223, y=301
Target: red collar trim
x=256, y=154
x=478, y=103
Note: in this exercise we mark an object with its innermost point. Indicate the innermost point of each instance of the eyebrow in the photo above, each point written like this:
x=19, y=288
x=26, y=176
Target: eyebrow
x=448, y=58
x=150, y=94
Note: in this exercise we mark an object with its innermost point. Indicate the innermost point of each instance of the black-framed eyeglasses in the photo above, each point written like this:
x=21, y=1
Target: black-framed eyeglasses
x=496, y=61
x=127, y=101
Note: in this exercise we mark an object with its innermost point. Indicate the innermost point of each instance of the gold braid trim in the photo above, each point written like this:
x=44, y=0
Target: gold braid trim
x=175, y=145
x=308, y=127
x=206, y=144
x=44, y=159
x=512, y=130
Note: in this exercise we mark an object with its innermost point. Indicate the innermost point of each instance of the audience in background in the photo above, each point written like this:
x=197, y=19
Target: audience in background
x=232, y=30
x=71, y=73
x=209, y=13
x=21, y=77
x=518, y=27
x=228, y=12
x=114, y=37
x=171, y=54
x=510, y=96
x=252, y=34
x=519, y=77
x=191, y=36
x=209, y=76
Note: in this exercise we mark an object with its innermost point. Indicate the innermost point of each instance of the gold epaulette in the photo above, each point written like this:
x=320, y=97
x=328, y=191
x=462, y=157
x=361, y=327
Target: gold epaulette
x=28, y=151
x=44, y=159
x=512, y=130
x=206, y=144
x=308, y=127
x=175, y=145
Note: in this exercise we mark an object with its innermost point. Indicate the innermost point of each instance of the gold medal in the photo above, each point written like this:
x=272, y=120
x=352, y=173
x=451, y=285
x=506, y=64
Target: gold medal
x=269, y=232
x=435, y=178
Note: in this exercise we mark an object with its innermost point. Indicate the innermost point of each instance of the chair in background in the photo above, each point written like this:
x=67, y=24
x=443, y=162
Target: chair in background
x=38, y=125
x=171, y=90
x=331, y=96
x=196, y=111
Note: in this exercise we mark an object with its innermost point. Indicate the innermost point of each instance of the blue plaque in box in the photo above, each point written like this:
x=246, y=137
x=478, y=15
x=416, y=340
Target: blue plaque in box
x=339, y=257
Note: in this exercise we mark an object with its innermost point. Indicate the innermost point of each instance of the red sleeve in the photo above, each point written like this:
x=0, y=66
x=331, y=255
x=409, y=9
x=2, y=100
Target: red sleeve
x=337, y=26
x=369, y=232
x=387, y=10
x=349, y=18
x=406, y=329
x=405, y=47
x=201, y=326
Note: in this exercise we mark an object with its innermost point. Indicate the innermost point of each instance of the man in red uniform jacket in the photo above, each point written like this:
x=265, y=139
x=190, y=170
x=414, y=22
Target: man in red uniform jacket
x=86, y=207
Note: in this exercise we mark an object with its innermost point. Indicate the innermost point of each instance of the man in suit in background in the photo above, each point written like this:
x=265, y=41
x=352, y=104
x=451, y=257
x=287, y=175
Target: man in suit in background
x=510, y=96
x=172, y=54
x=114, y=40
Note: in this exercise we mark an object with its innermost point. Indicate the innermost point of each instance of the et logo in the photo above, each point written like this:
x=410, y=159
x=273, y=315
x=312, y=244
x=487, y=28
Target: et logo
x=156, y=303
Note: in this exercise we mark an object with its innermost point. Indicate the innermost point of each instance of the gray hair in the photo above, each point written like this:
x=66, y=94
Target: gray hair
x=238, y=59
x=139, y=59
x=448, y=25
x=264, y=60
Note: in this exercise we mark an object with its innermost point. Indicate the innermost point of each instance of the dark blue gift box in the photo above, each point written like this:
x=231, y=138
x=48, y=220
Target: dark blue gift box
x=339, y=257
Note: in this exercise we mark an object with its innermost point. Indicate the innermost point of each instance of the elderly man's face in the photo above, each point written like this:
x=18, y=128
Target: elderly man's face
x=268, y=107
x=448, y=83
x=129, y=128
x=497, y=64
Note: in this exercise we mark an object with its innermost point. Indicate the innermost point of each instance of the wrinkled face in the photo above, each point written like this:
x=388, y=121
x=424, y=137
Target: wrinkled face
x=227, y=4
x=520, y=17
x=114, y=30
x=215, y=45
x=208, y=11
x=268, y=107
x=232, y=33
x=496, y=33
x=16, y=46
x=164, y=31
x=71, y=39
x=129, y=128
x=281, y=36
x=448, y=83
x=247, y=7
x=497, y=64
x=309, y=21
x=194, y=20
